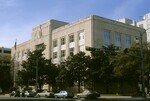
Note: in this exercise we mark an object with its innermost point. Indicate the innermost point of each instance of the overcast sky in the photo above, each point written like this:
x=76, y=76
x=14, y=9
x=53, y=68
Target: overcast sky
x=18, y=17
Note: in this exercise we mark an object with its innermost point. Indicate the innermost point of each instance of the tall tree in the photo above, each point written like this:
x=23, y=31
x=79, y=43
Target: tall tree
x=78, y=65
x=35, y=63
x=5, y=64
x=128, y=65
x=101, y=67
x=64, y=79
x=51, y=72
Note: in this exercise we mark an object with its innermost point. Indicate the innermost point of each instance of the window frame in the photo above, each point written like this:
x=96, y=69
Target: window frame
x=55, y=43
x=63, y=40
x=71, y=38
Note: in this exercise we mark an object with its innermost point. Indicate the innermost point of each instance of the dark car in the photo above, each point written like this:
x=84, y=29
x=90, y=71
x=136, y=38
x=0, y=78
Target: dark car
x=29, y=94
x=51, y=95
x=88, y=94
x=1, y=91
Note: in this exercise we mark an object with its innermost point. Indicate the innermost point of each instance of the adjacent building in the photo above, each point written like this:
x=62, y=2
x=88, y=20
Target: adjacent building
x=4, y=50
x=145, y=23
x=62, y=38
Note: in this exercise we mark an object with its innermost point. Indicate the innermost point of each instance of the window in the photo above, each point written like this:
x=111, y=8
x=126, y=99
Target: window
x=23, y=52
x=28, y=50
x=71, y=51
x=106, y=38
x=117, y=39
x=81, y=35
x=40, y=46
x=81, y=48
x=18, y=54
x=7, y=51
x=54, y=43
x=63, y=41
x=71, y=38
x=127, y=41
x=62, y=53
x=54, y=55
x=14, y=55
x=141, y=25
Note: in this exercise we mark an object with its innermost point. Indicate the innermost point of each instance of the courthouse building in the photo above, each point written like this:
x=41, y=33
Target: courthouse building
x=62, y=38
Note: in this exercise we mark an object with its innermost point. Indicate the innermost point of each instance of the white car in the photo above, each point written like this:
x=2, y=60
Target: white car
x=64, y=94
x=43, y=94
x=88, y=94
x=26, y=93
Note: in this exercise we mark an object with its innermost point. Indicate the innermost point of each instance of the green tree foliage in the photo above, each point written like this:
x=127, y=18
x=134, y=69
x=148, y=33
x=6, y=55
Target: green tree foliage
x=5, y=81
x=101, y=67
x=78, y=65
x=35, y=60
x=128, y=65
x=47, y=71
x=51, y=72
x=64, y=79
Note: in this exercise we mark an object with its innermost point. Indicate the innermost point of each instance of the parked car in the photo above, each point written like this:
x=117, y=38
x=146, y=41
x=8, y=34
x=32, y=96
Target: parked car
x=88, y=94
x=12, y=93
x=51, y=95
x=15, y=93
x=44, y=93
x=1, y=91
x=64, y=94
x=29, y=94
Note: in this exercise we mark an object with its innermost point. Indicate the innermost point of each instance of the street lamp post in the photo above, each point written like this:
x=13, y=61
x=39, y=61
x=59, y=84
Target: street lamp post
x=36, y=73
x=142, y=67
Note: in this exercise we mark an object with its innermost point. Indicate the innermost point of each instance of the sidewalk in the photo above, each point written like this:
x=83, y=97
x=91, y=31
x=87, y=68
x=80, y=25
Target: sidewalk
x=4, y=95
x=113, y=96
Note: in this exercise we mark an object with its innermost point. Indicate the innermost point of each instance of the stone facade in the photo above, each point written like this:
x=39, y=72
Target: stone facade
x=62, y=39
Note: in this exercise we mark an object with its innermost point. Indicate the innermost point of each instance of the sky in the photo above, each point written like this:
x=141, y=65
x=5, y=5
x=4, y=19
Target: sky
x=18, y=17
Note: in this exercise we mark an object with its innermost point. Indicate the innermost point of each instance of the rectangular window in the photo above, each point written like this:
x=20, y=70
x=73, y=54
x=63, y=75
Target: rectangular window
x=18, y=54
x=39, y=46
x=81, y=48
x=141, y=25
x=54, y=55
x=127, y=41
x=106, y=38
x=14, y=55
x=63, y=53
x=71, y=38
x=7, y=51
x=63, y=41
x=117, y=40
x=71, y=51
x=23, y=52
x=81, y=35
x=55, y=43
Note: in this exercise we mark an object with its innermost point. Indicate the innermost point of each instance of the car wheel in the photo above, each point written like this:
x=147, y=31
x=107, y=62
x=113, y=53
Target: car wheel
x=38, y=96
x=78, y=97
x=45, y=96
x=55, y=96
x=87, y=97
x=64, y=96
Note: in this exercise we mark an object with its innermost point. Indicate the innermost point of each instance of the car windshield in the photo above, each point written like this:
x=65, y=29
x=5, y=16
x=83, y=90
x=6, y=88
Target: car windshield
x=86, y=91
x=62, y=91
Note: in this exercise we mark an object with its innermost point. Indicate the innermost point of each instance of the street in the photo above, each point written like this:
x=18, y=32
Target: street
x=102, y=98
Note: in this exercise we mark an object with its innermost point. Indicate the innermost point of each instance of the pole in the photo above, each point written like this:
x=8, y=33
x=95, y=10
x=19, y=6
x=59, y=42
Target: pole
x=14, y=72
x=36, y=73
x=142, y=67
